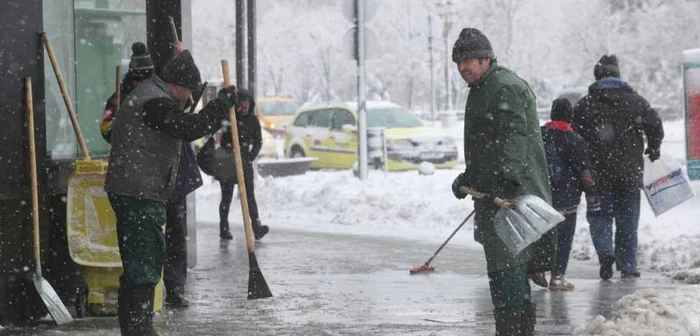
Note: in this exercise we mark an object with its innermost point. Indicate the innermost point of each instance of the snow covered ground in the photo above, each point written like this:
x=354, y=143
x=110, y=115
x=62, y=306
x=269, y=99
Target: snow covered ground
x=413, y=206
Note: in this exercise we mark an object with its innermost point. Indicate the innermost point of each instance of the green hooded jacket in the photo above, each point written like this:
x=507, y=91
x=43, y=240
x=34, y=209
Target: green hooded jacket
x=505, y=157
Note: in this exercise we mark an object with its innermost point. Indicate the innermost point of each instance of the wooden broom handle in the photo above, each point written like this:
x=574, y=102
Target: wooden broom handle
x=32, y=162
x=250, y=241
x=496, y=200
x=66, y=97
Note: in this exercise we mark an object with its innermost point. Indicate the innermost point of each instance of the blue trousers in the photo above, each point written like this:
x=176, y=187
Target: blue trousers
x=565, y=237
x=619, y=207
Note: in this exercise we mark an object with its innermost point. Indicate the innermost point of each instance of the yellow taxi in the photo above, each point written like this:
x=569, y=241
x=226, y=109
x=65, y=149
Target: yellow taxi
x=329, y=133
x=275, y=113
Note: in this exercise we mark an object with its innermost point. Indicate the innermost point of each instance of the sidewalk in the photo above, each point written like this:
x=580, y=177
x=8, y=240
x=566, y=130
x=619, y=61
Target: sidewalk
x=328, y=284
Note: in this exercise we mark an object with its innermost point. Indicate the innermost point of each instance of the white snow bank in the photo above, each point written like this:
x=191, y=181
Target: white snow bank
x=651, y=312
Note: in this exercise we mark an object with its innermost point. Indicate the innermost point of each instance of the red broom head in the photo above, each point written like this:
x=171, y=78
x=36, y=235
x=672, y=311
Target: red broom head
x=422, y=269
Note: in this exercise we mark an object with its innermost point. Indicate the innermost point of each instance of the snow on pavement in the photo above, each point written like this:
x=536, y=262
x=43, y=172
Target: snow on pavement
x=650, y=312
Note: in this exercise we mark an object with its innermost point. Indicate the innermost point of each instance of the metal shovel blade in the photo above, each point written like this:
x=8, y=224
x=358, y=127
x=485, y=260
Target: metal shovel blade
x=53, y=303
x=514, y=230
x=538, y=213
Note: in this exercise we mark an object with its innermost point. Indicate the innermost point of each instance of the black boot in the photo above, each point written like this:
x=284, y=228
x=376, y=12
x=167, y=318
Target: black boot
x=528, y=319
x=606, y=260
x=177, y=300
x=507, y=321
x=139, y=317
x=224, y=231
x=259, y=230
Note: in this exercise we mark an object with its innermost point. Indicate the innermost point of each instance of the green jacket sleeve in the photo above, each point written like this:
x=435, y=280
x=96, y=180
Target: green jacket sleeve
x=512, y=104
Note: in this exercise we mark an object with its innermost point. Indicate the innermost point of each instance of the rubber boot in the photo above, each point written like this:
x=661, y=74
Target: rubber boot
x=606, y=260
x=123, y=309
x=259, y=230
x=139, y=317
x=224, y=231
x=508, y=321
x=528, y=319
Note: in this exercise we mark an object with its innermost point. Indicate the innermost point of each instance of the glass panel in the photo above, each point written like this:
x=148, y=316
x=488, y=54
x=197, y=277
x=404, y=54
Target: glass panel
x=342, y=117
x=321, y=118
x=58, y=23
x=104, y=32
x=302, y=119
x=392, y=118
x=278, y=108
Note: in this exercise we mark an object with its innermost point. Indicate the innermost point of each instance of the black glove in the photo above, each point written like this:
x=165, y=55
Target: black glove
x=228, y=96
x=458, y=182
x=593, y=202
x=653, y=153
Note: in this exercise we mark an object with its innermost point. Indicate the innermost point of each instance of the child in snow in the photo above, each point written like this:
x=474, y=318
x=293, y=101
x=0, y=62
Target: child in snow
x=569, y=175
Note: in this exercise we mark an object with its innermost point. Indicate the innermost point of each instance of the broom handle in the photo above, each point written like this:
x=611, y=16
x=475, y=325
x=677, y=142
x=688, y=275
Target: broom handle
x=450, y=237
x=32, y=162
x=173, y=29
x=119, y=88
x=247, y=225
x=496, y=200
x=66, y=97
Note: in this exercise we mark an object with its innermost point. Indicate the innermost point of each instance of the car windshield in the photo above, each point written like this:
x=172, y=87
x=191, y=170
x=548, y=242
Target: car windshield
x=392, y=117
x=279, y=108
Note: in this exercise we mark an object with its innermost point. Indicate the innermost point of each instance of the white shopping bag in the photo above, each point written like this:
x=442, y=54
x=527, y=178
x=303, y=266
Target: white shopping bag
x=666, y=185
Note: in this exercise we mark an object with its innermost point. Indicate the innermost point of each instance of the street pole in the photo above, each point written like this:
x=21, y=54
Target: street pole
x=252, y=47
x=361, y=103
x=432, y=71
x=240, y=43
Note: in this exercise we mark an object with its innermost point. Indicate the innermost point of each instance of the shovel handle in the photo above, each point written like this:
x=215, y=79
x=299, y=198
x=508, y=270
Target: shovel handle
x=33, y=166
x=66, y=97
x=496, y=200
x=247, y=224
x=118, y=84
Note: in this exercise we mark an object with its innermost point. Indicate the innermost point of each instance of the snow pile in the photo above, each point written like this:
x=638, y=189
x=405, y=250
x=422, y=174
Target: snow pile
x=426, y=168
x=398, y=204
x=651, y=312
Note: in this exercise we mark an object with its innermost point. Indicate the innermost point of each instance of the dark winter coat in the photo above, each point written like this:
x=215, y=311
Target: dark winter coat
x=505, y=157
x=613, y=119
x=147, y=141
x=249, y=132
x=569, y=165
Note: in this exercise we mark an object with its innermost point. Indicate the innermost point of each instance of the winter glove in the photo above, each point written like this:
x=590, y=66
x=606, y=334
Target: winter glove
x=458, y=182
x=653, y=153
x=228, y=96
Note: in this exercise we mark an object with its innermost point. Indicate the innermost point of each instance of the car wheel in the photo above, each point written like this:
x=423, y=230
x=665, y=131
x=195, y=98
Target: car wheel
x=297, y=153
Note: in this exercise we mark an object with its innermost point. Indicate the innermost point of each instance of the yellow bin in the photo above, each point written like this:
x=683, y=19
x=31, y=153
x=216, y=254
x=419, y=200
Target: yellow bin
x=92, y=238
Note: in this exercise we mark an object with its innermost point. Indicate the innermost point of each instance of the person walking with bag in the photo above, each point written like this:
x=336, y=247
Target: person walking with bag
x=614, y=120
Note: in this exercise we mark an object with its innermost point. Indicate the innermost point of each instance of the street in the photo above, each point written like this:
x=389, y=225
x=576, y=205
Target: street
x=327, y=284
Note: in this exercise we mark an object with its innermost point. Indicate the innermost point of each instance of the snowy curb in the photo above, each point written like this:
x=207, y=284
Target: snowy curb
x=651, y=312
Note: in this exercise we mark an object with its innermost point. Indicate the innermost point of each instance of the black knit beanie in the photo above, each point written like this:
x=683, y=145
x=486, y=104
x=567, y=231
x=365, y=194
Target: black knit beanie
x=606, y=67
x=472, y=43
x=141, y=65
x=561, y=110
x=182, y=71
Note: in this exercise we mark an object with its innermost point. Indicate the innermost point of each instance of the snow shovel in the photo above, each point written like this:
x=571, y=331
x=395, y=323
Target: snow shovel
x=52, y=301
x=257, y=286
x=521, y=221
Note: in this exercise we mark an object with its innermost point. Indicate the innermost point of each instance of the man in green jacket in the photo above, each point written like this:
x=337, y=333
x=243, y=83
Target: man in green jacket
x=504, y=157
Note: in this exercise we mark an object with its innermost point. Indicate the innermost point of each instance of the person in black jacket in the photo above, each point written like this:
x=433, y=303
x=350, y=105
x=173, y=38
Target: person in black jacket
x=614, y=119
x=143, y=170
x=250, y=137
x=569, y=174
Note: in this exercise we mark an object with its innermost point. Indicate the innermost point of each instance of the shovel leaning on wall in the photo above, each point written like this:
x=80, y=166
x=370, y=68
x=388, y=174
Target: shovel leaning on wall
x=522, y=220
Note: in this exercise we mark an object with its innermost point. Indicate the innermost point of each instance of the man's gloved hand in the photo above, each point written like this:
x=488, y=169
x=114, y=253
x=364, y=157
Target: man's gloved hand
x=228, y=96
x=653, y=153
x=593, y=202
x=458, y=182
